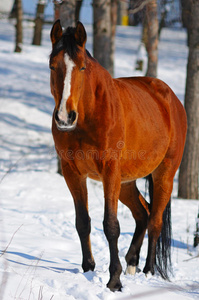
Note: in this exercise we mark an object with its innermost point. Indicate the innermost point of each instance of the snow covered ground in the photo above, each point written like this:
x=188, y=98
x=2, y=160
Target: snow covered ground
x=40, y=251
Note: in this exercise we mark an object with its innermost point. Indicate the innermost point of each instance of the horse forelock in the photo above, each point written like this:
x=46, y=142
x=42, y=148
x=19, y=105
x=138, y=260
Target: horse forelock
x=66, y=43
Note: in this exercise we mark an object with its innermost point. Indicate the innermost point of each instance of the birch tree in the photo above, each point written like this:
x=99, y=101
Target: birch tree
x=104, y=27
x=102, y=32
x=65, y=11
x=152, y=39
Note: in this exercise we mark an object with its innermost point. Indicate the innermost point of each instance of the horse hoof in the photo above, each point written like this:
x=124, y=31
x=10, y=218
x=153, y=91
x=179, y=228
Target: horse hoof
x=115, y=286
x=88, y=266
x=148, y=272
x=131, y=270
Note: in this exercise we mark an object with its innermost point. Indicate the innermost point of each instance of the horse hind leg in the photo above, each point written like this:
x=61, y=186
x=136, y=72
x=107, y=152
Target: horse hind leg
x=159, y=222
x=131, y=197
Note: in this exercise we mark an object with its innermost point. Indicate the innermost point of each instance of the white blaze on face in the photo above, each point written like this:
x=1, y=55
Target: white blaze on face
x=67, y=88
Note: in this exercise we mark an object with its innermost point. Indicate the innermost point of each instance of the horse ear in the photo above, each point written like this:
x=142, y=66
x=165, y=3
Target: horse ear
x=56, y=32
x=80, y=34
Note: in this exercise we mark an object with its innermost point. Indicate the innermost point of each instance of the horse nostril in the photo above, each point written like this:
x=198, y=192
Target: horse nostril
x=66, y=124
x=56, y=116
x=58, y=120
x=72, y=116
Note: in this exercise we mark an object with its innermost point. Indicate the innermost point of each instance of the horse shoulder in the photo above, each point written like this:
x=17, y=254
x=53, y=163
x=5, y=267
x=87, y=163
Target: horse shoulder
x=106, y=117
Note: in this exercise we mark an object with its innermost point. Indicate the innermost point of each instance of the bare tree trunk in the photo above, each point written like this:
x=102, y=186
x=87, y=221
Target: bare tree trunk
x=39, y=20
x=77, y=9
x=189, y=170
x=13, y=12
x=102, y=32
x=143, y=44
x=186, y=16
x=145, y=37
x=152, y=43
x=114, y=10
x=65, y=11
x=56, y=11
x=19, y=28
x=164, y=12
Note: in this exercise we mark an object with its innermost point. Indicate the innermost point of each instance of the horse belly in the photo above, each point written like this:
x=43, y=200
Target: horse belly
x=139, y=164
x=144, y=150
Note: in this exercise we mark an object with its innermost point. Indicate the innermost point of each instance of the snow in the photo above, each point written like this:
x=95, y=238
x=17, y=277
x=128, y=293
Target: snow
x=6, y=5
x=40, y=249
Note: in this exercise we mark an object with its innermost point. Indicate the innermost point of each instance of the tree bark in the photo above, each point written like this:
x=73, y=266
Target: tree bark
x=65, y=11
x=19, y=28
x=164, y=12
x=39, y=20
x=152, y=42
x=102, y=32
x=114, y=10
x=186, y=16
x=189, y=170
x=77, y=10
x=13, y=12
x=56, y=11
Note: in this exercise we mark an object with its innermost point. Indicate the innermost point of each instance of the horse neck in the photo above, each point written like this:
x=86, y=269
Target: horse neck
x=98, y=85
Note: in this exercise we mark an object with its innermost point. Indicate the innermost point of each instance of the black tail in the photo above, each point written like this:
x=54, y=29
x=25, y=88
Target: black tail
x=163, y=247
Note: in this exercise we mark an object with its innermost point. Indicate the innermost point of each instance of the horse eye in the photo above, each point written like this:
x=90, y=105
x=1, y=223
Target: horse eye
x=82, y=69
x=52, y=68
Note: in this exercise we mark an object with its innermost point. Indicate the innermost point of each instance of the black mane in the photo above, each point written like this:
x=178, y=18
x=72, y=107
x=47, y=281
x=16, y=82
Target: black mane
x=66, y=43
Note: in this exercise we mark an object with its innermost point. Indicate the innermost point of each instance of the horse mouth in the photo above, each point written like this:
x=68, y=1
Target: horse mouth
x=68, y=126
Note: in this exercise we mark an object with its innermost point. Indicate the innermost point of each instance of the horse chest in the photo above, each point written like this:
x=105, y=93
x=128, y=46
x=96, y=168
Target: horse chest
x=81, y=153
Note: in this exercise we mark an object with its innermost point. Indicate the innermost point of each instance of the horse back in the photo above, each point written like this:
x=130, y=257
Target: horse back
x=147, y=97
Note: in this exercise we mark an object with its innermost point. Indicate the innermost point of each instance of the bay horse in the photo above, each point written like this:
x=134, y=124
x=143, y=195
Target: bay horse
x=115, y=131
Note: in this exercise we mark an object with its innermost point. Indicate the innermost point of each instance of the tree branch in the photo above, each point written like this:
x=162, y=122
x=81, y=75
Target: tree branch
x=140, y=7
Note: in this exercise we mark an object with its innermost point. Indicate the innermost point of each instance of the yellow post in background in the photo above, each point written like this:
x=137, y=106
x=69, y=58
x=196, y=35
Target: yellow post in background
x=125, y=20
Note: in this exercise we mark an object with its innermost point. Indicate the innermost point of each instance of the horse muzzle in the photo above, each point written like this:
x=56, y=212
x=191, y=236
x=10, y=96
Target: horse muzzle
x=69, y=124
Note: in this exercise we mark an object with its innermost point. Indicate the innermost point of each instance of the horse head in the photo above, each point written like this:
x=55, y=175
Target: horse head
x=67, y=64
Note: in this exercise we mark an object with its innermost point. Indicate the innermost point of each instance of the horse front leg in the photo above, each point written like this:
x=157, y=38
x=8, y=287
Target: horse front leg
x=112, y=182
x=78, y=189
